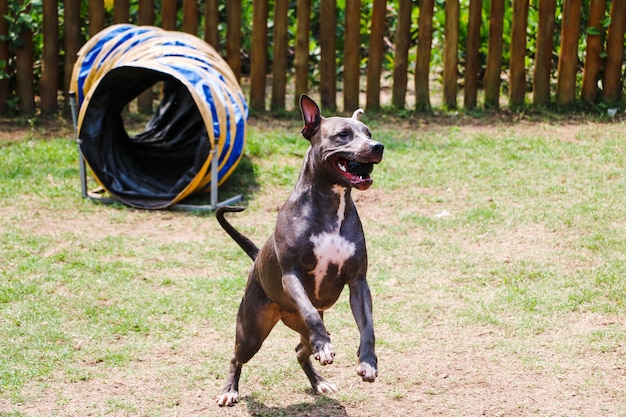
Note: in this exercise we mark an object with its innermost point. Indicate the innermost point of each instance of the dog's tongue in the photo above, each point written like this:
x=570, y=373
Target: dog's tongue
x=362, y=183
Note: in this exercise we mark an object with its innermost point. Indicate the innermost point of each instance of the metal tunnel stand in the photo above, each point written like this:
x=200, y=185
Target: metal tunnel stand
x=214, y=204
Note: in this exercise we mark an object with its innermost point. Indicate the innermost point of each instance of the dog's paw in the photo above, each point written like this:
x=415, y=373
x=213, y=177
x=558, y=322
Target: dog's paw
x=228, y=398
x=326, y=387
x=367, y=372
x=325, y=355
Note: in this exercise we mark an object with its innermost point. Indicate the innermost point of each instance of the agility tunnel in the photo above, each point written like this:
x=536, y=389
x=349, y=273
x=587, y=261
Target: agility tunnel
x=201, y=115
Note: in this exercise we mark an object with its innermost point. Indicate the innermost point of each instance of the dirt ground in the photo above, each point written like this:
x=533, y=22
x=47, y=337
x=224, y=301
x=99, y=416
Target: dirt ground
x=450, y=370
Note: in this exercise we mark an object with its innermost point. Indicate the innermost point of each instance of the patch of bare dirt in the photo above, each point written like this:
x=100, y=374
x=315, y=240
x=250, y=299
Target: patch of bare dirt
x=14, y=130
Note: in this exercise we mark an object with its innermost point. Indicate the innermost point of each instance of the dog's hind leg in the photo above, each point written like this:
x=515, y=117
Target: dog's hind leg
x=256, y=317
x=230, y=392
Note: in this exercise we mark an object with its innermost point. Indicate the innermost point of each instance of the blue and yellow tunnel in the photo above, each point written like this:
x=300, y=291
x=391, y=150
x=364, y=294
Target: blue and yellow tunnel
x=202, y=108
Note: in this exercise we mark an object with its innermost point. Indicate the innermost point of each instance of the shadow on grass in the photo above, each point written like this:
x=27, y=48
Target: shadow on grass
x=322, y=406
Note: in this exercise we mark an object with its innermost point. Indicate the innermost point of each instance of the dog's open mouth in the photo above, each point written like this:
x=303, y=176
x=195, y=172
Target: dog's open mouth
x=356, y=173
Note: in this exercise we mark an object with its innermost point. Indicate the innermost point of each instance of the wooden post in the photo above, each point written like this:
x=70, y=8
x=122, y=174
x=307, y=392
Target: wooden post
x=352, y=55
x=50, y=59
x=471, y=55
x=568, y=57
x=494, y=54
x=146, y=12
x=424, y=45
x=121, y=14
x=121, y=11
x=169, y=10
x=375, y=58
x=611, y=82
x=233, y=36
x=96, y=16
x=279, y=66
x=543, y=53
x=71, y=18
x=190, y=17
x=24, y=72
x=517, y=61
x=301, y=64
x=146, y=17
x=593, y=61
x=4, y=57
x=401, y=56
x=328, y=45
x=258, y=57
x=211, y=22
x=451, y=53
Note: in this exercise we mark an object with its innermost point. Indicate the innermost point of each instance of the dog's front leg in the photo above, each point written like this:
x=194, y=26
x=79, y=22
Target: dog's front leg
x=361, y=304
x=318, y=335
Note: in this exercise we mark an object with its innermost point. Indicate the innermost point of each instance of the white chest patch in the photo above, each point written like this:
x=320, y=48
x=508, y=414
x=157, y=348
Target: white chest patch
x=331, y=247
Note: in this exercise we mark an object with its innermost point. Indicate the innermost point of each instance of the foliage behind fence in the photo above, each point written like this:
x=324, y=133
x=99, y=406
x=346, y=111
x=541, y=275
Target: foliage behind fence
x=540, y=52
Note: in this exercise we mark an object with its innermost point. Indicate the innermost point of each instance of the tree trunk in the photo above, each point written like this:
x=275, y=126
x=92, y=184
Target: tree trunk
x=301, y=64
x=494, y=55
x=328, y=45
x=517, y=62
x=401, y=56
x=96, y=16
x=352, y=55
x=4, y=57
x=169, y=10
x=375, y=59
x=568, y=58
x=121, y=11
x=24, y=72
x=424, y=45
x=279, y=67
x=48, y=87
x=543, y=53
x=211, y=22
x=145, y=17
x=593, y=61
x=233, y=36
x=190, y=17
x=471, y=56
x=611, y=82
x=71, y=18
x=258, y=57
x=451, y=53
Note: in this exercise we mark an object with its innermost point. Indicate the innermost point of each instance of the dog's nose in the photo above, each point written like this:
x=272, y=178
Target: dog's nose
x=378, y=148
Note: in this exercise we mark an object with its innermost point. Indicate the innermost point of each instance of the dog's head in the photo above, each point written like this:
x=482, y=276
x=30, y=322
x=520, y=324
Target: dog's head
x=344, y=145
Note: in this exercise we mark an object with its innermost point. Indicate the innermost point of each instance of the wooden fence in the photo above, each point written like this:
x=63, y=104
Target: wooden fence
x=571, y=79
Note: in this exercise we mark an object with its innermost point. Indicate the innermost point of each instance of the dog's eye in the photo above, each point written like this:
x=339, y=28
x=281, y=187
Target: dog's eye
x=344, y=133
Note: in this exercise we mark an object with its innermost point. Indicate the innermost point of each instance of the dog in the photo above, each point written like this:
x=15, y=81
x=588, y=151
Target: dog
x=317, y=248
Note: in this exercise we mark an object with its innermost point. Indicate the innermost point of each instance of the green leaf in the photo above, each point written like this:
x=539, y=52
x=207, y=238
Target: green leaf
x=593, y=31
x=25, y=18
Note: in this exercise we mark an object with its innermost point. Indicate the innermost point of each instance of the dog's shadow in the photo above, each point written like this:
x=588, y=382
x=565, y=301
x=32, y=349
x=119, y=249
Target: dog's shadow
x=322, y=406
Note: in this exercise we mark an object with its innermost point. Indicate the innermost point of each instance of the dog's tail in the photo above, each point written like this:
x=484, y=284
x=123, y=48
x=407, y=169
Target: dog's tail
x=246, y=244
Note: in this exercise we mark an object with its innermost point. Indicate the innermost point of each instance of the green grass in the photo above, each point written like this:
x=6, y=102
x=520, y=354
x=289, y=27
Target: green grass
x=514, y=231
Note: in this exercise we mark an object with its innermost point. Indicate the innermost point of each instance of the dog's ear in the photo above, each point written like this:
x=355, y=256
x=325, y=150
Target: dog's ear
x=357, y=113
x=311, y=115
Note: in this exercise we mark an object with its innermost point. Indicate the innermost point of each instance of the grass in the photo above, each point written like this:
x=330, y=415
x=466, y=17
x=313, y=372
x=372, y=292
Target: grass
x=497, y=265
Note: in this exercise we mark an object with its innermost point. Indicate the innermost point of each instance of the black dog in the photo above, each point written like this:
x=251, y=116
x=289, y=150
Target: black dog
x=316, y=249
